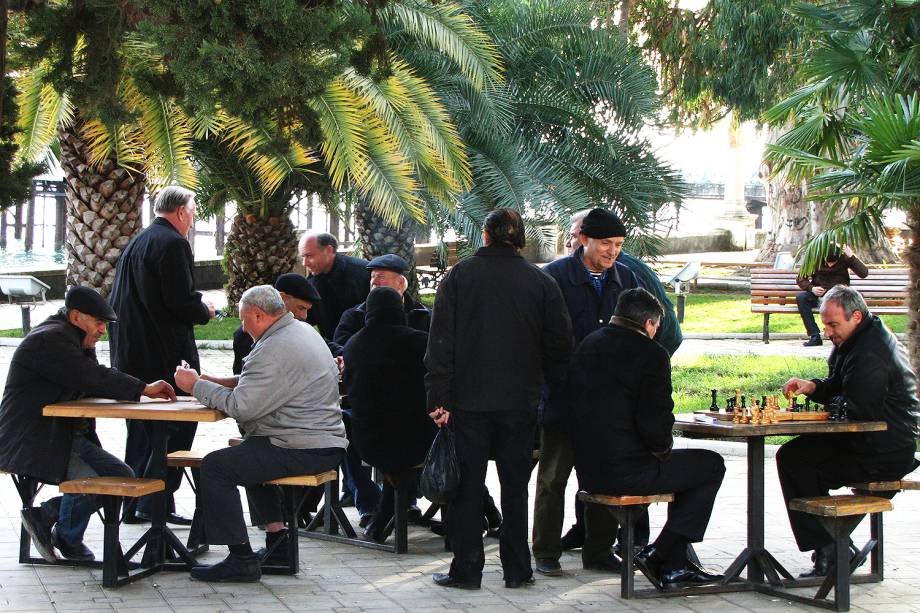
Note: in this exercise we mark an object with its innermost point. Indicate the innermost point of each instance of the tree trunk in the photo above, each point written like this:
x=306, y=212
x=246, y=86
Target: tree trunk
x=257, y=253
x=912, y=257
x=791, y=218
x=103, y=211
x=624, y=16
x=379, y=238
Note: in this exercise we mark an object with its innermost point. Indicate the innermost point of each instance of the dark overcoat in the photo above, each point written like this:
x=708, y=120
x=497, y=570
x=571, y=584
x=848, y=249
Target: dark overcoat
x=498, y=324
x=157, y=306
x=418, y=317
x=50, y=365
x=385, y=381
x=346, y=284
x=622, y=408
x=588, y=312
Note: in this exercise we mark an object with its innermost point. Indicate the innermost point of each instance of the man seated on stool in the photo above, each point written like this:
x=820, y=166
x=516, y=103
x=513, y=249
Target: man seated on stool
x=834, y=271
x=870, y=369
x=56, y=362
x=286, y=401
x=623, y=443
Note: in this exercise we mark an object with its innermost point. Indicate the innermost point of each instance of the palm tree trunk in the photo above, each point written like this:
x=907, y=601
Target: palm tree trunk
x=912, y=257
x=103, y=211
x=257, y=253
x=379, y=238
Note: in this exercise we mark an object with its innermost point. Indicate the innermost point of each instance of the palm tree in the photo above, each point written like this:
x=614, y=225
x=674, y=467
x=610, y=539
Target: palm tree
x=107, y=166
x=856, y=129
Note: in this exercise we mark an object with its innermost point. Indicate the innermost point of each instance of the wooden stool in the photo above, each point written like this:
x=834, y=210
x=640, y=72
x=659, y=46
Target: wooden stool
x=876, y=544
x=627, y=510
x=113, y=490
x=190, y=463
x=839, y=515
x=292, y=487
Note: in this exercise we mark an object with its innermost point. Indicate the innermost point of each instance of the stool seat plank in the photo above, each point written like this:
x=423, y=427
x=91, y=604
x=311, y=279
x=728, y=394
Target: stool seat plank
x=306, y=480
x=624, y=501
x=840, y=506
x=185, y=459
x=113, y=486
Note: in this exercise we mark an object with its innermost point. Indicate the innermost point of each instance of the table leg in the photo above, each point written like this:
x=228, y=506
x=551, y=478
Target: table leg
x=155, y=551
x=755, y=505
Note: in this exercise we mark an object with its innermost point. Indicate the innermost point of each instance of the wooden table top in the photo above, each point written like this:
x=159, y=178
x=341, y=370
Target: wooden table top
x=687, y=423
x=185, y=408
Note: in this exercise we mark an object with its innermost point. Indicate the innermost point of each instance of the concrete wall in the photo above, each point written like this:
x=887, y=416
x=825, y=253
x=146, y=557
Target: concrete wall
x=719, y=240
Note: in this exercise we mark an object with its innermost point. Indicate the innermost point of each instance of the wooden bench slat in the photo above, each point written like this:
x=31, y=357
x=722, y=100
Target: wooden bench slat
x=185, y=459
x=307, y=480
x=840, y=506
x=887, y=486
x=113, y=486
x=234, y=441
x=624, y=501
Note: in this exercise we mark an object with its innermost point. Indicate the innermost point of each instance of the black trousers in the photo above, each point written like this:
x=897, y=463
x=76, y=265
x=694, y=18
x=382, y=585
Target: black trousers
x=807, y=301
x=692, y=475
x=508, y=437
x=250, y=464
x=813, y=464
x=180, y=436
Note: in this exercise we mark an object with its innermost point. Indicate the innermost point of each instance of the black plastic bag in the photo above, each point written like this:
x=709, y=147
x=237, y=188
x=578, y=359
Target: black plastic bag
x=441, y=475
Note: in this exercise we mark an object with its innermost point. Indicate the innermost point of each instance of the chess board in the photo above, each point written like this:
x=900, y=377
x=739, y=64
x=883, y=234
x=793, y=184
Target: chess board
x=779, y=415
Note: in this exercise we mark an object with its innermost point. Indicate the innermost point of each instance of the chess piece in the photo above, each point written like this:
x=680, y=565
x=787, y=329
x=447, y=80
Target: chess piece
x=807, y=404
x=743, y=402
x=755, y=413
x=715, y=405
x=736, y=411
x=763, y=401
x=789, y=396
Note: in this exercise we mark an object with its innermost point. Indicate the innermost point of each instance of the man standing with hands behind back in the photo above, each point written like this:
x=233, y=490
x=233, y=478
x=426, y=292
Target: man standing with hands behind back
x=157, y=306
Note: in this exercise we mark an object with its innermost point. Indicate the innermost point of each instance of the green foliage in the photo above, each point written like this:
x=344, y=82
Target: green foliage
x=733, y=56
x=855, y=131
x=15, y=179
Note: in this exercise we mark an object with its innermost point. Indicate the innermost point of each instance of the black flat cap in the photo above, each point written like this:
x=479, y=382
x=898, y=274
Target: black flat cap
x=600, y=223
x=390, y=261
x=297, y=286
x=89, y=302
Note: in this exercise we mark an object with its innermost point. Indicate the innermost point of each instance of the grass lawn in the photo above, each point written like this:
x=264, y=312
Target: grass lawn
x=721, y=312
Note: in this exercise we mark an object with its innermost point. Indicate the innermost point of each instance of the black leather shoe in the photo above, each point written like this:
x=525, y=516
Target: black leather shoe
x=365, y=520
x=609, y=563
x=813, y=341
x=513, y=584
x=821, y=558
x=650, y=562
x=688, y=575
x=278, y=557
x=445, y=580
x=549, y=567
x=573, y=539
x=39, y=525
x=171, y=518
x=414, y=517
x=233, y=569
x=494, y=517
x=347, y=500
x=78, y=551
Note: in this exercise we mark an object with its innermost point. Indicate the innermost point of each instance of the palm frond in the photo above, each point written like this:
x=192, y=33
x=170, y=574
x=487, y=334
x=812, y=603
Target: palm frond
x=41, y=110
x=344, y=145
x=864, y=229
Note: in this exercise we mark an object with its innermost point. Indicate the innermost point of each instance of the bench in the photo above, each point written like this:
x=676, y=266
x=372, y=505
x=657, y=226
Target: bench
x=774, y=291
x=627, y=510
x=886, y=489
x=115, y=568
x=839, y=516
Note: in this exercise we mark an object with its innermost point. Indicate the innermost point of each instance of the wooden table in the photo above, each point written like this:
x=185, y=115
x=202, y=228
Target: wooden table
x=161, y=546
x=760, y=563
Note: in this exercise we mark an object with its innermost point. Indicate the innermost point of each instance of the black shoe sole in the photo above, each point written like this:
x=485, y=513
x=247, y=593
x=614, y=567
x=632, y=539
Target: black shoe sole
x=237, y=579
x=556, y=572
x=45, y=549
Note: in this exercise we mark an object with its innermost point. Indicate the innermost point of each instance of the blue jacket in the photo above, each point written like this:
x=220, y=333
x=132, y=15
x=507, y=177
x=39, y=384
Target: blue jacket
x=588, y=312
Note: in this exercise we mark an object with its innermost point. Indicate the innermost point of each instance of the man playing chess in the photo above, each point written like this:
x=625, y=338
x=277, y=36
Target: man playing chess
x=870, y=369
x=623, y=419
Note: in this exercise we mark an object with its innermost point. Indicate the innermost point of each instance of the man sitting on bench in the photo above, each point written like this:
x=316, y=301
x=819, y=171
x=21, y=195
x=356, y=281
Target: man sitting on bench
x=286, y=401
x=622, y=435
x=834, y=271
x=56, y=362
x=870, y=372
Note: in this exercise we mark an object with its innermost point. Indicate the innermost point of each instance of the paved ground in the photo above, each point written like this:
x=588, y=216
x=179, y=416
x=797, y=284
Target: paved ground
x=337, y=577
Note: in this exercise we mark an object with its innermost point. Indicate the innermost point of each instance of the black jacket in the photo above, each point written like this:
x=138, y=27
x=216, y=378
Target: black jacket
x=346, y=284
x=588, y=312
x=837, y=274
x=385, y=382
x=157, y=306
x=418, y=317
x=498, y=324
x=50, y=365
x=872, y=371
x=622, y=408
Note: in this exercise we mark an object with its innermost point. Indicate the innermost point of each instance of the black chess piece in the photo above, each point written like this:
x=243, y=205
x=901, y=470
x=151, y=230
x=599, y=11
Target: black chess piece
x=807, y=404
x=743, y=402
x=715, y=404
x=763, y=401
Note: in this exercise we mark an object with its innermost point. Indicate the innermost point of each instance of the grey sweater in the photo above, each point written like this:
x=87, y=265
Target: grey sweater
x=288, y=390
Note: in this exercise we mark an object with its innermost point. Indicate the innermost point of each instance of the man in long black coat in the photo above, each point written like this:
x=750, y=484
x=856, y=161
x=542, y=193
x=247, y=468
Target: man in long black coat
x=341, y=280
x=56, y=362
x=157, y=306
x=498, y=323
x=385, y=381
x=623, y=418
